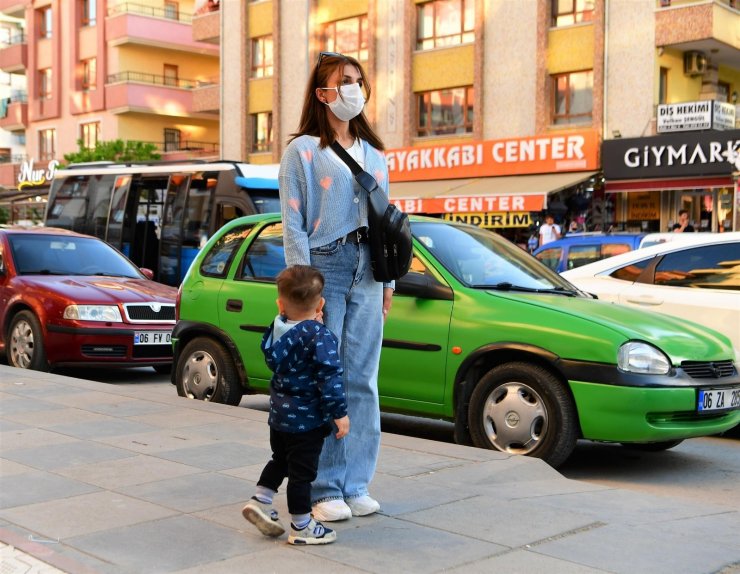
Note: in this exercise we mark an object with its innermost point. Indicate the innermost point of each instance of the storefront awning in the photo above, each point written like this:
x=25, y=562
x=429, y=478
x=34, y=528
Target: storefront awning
x=616, y=186
x=483, y=193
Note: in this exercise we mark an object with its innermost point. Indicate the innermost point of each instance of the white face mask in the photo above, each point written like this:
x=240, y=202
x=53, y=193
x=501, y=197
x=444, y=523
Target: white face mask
x=349, y=102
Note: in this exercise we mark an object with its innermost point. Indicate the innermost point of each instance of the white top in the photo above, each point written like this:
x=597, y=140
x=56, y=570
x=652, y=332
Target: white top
x=547, y=233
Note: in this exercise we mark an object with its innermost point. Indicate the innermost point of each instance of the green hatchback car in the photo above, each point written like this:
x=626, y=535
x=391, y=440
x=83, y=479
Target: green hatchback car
x=480, y=333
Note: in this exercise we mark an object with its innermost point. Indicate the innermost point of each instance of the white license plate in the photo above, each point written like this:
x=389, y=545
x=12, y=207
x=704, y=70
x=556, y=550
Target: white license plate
x=152, y=338
x=718, y=399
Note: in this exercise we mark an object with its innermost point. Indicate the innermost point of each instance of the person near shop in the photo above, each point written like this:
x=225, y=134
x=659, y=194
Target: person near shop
x=683, y=225
x=325, y=225
x=306, y=395
x=549, y=231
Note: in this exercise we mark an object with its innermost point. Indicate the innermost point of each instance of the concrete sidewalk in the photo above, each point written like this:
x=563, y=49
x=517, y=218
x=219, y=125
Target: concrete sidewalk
x=131, y=478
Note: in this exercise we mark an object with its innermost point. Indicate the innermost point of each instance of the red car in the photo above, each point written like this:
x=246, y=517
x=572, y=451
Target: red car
x=71, y=299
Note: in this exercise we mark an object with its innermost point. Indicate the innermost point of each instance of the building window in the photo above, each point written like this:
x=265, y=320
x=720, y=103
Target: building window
x=262, y=132
x=444, y=112
x=172, y=139
x=573, y=98
x=566, y=12
x=171, y=75
x=262, y=57
x=172, y=10
x=89, y=12
x=663, y=86
x=444, y=23
x=723, y=91
x=47, y=144
x=45, y=22
x=90, y=134
x=348, y=37
x=89, y=74
x=45, y=84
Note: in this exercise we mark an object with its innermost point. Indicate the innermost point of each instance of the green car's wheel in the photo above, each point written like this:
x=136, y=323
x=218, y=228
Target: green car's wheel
x=206, y=372
x=25, y=343
x=522, y=408
x=652, y=446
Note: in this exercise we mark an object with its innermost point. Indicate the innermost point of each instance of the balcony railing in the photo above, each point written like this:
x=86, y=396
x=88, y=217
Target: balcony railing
x=17, y=38
x=153, y=11
x=152, y=79
x=186, y=145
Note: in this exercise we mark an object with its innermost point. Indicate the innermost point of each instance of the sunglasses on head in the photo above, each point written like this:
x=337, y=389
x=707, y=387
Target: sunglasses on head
x=323, y=55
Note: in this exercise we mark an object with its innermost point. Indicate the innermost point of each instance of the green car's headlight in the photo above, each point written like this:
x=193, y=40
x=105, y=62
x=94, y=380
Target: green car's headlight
x=638, y=357
x=105, y=313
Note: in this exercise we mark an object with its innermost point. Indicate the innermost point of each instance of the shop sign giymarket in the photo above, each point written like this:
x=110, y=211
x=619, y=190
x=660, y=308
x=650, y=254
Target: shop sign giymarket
x=670, y=155
x=30, y=177
x=491, y=220
x=695, y=116
x=547, y=153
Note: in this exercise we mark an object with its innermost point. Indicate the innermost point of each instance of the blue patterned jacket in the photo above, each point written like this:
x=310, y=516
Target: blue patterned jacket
x=307, y=389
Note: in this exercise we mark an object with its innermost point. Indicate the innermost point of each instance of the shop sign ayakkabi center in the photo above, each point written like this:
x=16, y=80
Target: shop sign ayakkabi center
x=695, y=116
x=555, y=153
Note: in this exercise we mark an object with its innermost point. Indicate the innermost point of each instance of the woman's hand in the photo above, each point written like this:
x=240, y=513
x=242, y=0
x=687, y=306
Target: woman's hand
x=387, y=301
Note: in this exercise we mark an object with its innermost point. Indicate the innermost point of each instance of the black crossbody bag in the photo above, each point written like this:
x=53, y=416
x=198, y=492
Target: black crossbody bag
x=389, y=232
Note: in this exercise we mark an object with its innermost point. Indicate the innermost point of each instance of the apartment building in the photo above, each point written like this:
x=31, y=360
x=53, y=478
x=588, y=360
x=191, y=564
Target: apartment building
x=495, y=110
x=99, y=70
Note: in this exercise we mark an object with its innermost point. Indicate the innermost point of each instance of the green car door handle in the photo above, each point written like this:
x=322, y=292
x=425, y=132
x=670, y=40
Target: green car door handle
x=234, y=305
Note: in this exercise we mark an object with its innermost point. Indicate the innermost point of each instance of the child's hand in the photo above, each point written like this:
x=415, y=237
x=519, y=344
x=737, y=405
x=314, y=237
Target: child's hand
x=342, y=426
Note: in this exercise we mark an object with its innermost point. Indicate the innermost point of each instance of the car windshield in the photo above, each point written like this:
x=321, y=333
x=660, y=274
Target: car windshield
x=44, y=254
x=484, y=260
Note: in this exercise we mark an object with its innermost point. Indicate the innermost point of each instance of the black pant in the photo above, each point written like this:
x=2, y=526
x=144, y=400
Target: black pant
x=295, y=455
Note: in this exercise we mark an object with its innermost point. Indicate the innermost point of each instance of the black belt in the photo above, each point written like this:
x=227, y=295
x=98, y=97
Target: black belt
x=359, y=235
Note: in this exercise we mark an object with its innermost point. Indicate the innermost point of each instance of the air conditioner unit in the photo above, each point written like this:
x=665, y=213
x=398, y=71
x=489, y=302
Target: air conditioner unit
x=694, y=63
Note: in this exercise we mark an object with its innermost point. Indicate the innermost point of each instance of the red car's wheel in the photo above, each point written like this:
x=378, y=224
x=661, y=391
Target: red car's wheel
x=25, y=343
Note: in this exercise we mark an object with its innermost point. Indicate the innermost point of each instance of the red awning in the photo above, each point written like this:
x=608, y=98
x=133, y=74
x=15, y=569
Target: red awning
x=660, y=184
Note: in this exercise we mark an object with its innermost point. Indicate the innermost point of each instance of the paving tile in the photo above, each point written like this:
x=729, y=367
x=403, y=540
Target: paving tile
x=402, y=463
x=393, y=545
x=107, y=426
x=277, y=558
x=32, y=487
x=192, y=493
x=400, y=496
x=29, y=437
x=53, y=416
x=124, y=407
x=8, y=467
x=154, y=442
x=218, y=455
x=63, y=455
x=84, y=514
x=133, y=470
x=165, y=545
x=16, y=406
x=6, y=425
x=638, y=548
x=498, y=520
x=525, y=562
x=173, y=418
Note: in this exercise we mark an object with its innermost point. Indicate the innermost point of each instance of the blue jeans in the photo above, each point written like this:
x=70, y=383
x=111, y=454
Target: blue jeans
x=354, y=312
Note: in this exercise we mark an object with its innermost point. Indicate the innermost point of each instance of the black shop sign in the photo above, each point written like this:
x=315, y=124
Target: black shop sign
x=670, y=155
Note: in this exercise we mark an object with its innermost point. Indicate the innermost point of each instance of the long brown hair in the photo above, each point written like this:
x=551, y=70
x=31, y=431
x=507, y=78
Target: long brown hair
x=314, y=119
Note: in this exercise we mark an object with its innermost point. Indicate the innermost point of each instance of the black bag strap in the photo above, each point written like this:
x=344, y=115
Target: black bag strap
x=366, y=180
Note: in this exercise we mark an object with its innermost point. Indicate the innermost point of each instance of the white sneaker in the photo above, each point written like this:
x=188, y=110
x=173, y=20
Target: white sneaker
x=331, y=511
x=313, y=533
x=362, y=505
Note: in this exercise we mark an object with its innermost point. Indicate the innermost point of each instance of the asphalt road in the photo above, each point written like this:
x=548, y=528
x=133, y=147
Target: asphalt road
x=704, y=468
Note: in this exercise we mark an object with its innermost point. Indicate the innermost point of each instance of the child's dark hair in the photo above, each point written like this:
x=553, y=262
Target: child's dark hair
x=301, y=286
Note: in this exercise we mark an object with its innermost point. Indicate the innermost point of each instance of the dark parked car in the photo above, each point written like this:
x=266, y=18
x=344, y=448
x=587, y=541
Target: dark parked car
x=72, y=299
x=576, y=249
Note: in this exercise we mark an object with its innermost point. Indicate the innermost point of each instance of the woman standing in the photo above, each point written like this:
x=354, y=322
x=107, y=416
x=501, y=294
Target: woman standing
x=325, y=225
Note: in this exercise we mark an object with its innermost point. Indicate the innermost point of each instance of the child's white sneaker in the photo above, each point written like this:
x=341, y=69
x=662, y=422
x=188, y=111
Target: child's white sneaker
x=264, y=517
x=313, y=533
